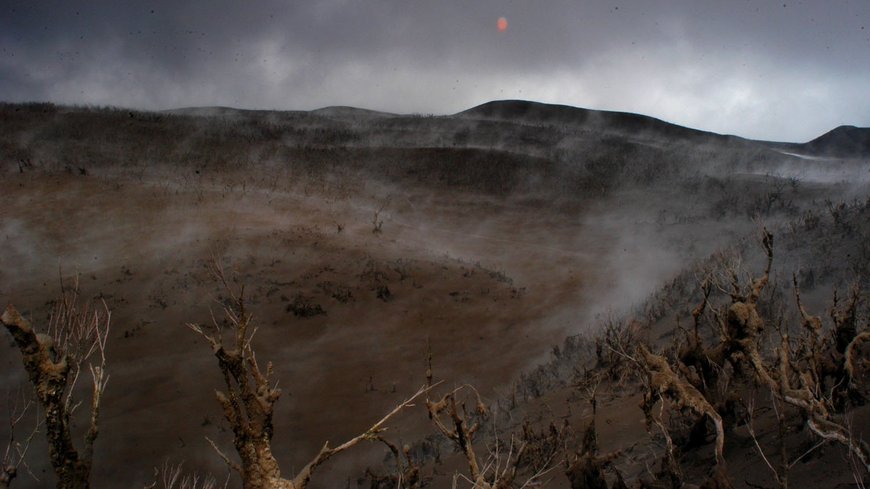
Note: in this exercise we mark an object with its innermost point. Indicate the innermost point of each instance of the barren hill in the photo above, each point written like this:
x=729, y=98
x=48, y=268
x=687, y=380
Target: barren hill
x=490, y=235
x=600, y=120
x=842, y=141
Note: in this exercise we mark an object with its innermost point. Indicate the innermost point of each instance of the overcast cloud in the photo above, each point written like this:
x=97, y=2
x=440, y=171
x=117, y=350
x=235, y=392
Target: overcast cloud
x=782, y=70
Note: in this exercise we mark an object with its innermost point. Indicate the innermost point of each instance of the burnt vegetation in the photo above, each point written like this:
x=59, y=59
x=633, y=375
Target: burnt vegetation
x=482, y=151
x=749, y=368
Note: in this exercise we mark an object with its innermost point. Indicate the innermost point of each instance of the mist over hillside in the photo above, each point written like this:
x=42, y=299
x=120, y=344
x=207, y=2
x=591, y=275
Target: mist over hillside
x=501, y=240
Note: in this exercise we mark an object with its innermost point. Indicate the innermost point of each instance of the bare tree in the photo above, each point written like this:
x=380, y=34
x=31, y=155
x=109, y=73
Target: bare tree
x=813, y=376
x=529, y=453
x=662, y=382
x=75, y=338
x=250, y=396
x=585, y=469
x=788, y=382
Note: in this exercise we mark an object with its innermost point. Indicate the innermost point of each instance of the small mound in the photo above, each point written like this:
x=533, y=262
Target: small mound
x=344, y=112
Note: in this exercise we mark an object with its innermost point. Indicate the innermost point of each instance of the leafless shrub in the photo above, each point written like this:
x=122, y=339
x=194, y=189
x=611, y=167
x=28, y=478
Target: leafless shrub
x=303, y=306
x=586, y=467
x=170, y=476
x=613, y=349
x=377, y=221
x=779, y=468
x=811, y=376
x=524, y=458
x=663, y=382
x=341, y=293
x=14, y=457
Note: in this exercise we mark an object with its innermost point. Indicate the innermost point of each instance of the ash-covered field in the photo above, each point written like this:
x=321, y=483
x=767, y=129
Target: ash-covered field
x=366, y=240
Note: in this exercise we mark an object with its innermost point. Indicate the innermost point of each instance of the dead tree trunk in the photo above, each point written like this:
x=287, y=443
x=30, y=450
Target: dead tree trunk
x=53, y=362
x=249, y=400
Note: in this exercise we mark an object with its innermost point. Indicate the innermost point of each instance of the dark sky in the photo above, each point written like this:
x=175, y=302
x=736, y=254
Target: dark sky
x=786, y=70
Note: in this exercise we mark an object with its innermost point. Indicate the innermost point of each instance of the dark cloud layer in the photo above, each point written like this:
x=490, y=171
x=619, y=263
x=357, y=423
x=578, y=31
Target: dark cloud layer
x=782, y=70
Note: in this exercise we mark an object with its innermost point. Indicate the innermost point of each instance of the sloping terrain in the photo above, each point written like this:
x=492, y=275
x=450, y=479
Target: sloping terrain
x=843, y=140
x=363, y=237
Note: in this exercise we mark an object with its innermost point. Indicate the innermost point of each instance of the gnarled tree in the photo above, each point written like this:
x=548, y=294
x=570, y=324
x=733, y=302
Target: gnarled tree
x=250, y=396
x=813, y=375
x=75, y=338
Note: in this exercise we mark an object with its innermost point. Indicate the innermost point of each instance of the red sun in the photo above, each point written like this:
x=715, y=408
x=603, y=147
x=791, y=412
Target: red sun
x=502, y=24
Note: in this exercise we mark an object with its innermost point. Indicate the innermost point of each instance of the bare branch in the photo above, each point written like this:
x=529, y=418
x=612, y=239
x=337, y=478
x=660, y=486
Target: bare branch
x=750, y=409
x=372, y=434
x=223, y=456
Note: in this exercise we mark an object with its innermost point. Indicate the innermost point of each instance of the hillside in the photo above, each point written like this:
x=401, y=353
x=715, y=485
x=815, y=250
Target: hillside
x=842, y=141
x=502, y=241
x=521, y=111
